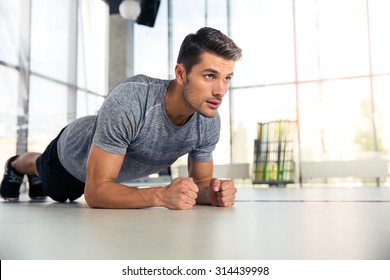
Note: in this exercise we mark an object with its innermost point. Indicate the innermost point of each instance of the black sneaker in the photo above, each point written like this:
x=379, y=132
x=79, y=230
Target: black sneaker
x=9, y=188
x=35, y=191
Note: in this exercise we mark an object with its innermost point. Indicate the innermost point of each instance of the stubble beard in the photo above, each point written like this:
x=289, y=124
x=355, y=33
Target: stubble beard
x=187, y=94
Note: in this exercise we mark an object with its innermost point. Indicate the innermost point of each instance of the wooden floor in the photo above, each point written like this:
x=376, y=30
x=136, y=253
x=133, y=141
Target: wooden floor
x=266, y=223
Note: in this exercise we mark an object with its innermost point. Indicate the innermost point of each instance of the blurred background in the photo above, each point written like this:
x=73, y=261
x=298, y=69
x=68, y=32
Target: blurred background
x=322, y=64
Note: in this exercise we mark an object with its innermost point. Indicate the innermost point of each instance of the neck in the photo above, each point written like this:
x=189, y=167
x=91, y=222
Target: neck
x=176, y=107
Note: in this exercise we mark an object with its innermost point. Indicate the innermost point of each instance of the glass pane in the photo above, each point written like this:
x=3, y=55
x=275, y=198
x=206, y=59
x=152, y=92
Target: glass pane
x=187, y=18
x=88, y=104
x=379, y=32
x=151, y=47
x=217, y=14
x=92, y=36
x=343, y=38
x=336, y=122
x=47, y=112
x=312, y=118
x=50, y=38
x=8, y=112
x=306, y=18
x=382, y=116
x=264, y=30
x=9, y=31
x=251, y=106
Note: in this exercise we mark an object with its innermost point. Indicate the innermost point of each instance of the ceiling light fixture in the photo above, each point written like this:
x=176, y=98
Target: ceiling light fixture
x=130, y=9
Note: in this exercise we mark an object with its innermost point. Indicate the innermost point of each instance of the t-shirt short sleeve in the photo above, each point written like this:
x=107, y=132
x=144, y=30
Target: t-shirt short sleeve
x=116, y=124
x=208, y=140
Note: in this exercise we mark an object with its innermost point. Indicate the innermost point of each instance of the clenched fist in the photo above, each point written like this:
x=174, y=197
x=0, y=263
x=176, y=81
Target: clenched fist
x=222, y=192
x=181, y=193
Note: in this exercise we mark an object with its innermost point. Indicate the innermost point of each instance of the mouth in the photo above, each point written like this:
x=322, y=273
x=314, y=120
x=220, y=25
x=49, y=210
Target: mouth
x=213, y=104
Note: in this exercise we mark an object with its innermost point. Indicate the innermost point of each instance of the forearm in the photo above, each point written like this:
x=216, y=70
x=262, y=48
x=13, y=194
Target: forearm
x=203, y=194
x=110, y=194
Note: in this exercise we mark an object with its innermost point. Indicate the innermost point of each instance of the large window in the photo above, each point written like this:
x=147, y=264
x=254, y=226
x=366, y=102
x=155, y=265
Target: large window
x=8, y=112
x=62, y=48
x=324, y=63
x=342, y=72
x=9, y=37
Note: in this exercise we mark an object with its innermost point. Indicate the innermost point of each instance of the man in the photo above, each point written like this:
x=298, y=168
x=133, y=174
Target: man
x=144, y=125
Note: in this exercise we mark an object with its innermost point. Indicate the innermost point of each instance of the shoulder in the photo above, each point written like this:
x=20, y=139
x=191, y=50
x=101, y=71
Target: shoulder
x=142, y=80
x=138, y=87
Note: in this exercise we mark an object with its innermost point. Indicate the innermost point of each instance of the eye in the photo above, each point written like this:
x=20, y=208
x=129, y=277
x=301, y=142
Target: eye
x=209, y=76
x=228, y=79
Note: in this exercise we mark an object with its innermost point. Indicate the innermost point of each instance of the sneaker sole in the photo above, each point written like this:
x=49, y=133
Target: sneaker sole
x=38, y=198
x=10, y=199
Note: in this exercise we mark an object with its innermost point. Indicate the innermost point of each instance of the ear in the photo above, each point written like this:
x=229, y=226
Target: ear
x=180, y=74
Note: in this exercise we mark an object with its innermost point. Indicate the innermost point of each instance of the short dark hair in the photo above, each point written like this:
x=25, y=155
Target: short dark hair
x=210, y=40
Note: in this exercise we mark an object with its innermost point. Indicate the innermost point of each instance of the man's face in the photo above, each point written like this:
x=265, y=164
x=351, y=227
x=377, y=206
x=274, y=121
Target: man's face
x=208, y=83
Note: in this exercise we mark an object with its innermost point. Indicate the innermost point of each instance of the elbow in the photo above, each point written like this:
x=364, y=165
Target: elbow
x=90, y=196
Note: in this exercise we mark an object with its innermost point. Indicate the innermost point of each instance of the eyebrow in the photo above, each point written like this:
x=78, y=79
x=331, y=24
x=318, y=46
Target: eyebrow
x=215, y=71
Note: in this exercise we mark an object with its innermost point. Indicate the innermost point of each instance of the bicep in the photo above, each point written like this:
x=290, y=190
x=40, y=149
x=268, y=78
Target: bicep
x=102, y=166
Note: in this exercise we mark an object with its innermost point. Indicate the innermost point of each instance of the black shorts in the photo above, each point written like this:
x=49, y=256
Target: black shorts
x=58, y=183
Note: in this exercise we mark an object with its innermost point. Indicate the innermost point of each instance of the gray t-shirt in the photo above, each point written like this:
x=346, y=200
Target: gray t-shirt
x=133, y=122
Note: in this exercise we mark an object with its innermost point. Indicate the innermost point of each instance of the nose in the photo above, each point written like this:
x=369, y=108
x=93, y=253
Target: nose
x=220, y=88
